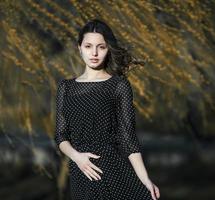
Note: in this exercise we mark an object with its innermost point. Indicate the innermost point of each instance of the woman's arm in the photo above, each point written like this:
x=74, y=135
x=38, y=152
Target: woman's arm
x=127, y=136
x=125, y=117
x=68, y=150
x=62, y=138
x=139, y=167
x=126, y=125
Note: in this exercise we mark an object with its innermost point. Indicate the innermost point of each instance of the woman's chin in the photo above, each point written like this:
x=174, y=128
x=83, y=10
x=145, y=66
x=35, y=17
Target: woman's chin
x=94, y=65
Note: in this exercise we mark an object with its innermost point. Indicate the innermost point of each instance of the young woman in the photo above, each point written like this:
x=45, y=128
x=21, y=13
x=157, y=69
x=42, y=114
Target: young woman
x=95, y=123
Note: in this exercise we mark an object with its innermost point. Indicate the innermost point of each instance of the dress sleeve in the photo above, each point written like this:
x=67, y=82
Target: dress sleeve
x=61, y=133
x=125, y=115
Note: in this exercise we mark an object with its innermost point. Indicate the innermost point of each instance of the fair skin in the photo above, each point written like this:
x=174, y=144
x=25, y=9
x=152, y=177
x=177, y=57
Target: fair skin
x=94, y=46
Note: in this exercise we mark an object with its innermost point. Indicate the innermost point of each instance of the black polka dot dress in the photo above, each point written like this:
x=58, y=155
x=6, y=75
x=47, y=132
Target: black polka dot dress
x=99, y=117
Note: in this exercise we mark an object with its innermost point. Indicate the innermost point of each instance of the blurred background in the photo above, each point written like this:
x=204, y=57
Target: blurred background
x=173, y=93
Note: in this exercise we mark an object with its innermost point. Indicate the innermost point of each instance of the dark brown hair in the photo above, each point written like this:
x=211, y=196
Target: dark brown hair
x=118, y=60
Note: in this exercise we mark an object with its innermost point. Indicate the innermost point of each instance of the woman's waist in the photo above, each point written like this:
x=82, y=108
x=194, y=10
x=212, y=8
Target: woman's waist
x=95, y=146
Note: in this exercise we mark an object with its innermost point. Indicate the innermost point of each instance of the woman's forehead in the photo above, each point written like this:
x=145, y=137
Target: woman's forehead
x=93, y=38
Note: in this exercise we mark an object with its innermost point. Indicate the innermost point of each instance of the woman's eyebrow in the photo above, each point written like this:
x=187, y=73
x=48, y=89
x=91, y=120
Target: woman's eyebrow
x=97, y=44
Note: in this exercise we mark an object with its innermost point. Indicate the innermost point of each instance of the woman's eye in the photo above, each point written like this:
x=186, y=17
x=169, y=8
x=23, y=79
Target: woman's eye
x=102, y=47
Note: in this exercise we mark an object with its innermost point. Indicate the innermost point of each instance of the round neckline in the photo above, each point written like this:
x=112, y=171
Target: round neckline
x=93, y=81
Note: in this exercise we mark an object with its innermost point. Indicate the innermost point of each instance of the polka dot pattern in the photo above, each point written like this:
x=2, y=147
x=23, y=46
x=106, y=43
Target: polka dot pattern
x=99, y=117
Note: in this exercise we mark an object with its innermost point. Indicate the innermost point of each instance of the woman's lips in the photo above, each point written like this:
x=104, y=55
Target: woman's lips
x=94, y=60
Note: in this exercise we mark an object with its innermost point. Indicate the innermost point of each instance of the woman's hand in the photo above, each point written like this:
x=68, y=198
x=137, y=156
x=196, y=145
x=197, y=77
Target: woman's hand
x=153, y=189
x=86, y=166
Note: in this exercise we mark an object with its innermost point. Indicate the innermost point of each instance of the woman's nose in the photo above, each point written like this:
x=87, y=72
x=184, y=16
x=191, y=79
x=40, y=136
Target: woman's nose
x=95, y=51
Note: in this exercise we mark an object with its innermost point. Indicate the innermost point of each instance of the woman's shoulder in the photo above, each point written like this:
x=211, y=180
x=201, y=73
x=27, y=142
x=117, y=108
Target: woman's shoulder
x=61, y=82
x=123, y=86
x=122, y=81
x=65, y=81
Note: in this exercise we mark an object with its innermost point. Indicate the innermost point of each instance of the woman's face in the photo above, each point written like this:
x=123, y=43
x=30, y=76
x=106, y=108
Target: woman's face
x=93, y=49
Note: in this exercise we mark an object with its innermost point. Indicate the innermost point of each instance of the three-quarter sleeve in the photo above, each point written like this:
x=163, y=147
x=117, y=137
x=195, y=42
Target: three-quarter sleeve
x=125, y=115
x=61, y=133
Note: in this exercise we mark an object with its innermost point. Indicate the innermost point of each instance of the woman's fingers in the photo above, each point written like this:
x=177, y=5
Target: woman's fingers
x=92, y=173
x=87, y=175
x=93, y=155
x=152, y=188
x=153, y=194
x=88, y=167
x=157, y=192
x=95, y=167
